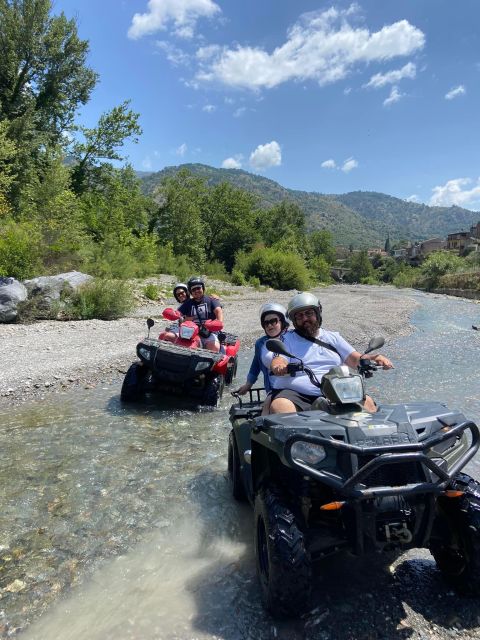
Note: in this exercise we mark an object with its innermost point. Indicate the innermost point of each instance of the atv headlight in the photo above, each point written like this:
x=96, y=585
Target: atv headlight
x=144, y=353
x=308, y=452
x=201, y=366
x=348, y=389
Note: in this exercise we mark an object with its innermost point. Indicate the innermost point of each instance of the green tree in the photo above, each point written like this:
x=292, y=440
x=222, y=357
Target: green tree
x=360, y=267
x=43, y=80
x=102, y=143
x=229, y=219
x=181, y=200
x=321, y=244
x=438, y=264
x=283, y=225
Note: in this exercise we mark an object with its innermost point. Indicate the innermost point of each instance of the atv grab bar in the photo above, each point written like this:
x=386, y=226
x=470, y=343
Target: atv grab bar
x=383, y=455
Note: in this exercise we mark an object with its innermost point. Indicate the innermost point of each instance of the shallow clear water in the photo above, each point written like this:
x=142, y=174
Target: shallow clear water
x=123, y=518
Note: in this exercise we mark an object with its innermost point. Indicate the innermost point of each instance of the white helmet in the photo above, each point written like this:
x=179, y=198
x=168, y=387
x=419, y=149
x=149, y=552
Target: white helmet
x=302, y=301
x=274, y=307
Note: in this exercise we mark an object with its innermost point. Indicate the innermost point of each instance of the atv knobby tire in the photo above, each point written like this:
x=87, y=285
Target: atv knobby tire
x=132, y=387
x=234, y=474
x=458, y=554
x=283, y=562
x=213, y=391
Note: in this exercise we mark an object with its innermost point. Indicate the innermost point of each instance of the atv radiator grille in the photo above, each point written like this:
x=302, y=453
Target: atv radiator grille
x=394, y=475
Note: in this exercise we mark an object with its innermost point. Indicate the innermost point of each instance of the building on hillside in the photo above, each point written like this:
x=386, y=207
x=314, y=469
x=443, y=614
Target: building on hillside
x=475, y=231
x=420, y=250
x=458, y=241
x=376, y=251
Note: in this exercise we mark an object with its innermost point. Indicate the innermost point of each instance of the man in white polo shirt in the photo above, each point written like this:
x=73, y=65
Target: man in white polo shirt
x=318, y=348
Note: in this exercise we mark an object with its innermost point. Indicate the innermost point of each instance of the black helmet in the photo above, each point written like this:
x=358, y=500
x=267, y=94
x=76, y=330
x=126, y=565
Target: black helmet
x=179, y=285
x=194, y=282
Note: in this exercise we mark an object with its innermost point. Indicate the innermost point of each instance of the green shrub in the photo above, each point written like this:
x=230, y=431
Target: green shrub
x=437, y=265
x=238, y=278
x=216, y=270
x=274, y=268
x=102, y=299
x=20, y=250
x=469, y=280
x=151, y=291
x=407, y=277
x=320, y=269
x=369, y=280
x=254, y=282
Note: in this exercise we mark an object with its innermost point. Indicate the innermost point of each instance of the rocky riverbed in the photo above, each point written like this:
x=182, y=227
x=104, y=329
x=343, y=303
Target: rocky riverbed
x=52, y=356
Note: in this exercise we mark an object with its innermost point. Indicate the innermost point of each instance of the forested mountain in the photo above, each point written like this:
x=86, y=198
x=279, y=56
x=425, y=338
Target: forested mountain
x=359, y=218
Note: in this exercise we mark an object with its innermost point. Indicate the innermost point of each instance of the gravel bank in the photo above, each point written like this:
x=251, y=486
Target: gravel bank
x=50, y=356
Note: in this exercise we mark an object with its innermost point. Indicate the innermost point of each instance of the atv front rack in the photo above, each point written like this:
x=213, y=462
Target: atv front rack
x=355, y=486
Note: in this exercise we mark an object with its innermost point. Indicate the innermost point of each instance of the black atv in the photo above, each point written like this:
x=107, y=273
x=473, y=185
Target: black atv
x=339, y=478
x=195, y=374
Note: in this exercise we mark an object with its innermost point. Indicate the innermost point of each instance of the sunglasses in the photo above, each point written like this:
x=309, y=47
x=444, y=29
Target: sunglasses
x=270, y=322
x=193, y=289
x=309, y=313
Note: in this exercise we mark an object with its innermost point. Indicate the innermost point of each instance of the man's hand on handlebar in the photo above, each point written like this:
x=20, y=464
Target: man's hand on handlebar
x=382, y=361
x=279, y=366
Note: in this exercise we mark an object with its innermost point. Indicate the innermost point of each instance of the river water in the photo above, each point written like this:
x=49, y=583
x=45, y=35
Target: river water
x=117, y=522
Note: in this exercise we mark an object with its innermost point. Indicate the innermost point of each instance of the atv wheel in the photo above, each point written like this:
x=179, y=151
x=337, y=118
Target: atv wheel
x=458, y=554
x=283, y=562
x=132, y=387
x=231, y=371
x=234, y=474
x=213, y=391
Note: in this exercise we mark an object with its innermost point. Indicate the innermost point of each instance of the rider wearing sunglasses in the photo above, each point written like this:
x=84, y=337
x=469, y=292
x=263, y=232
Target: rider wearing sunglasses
x=201, y=307
x=318, y=348
x=273, y=318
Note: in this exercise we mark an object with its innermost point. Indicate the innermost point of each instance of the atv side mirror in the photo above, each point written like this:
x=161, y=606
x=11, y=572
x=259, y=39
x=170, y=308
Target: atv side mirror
x=171, y=314
x=375, y=343
x=277, y=346
x=213, y=325
x=150, y=323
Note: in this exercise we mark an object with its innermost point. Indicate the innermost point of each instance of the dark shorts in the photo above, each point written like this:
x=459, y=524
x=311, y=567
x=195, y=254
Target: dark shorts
x=302, y=401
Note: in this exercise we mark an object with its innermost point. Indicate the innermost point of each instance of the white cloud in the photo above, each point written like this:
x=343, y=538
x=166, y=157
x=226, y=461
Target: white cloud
x=209, y=108
x=454, y=192
x=392, y=77
x=394, y=96
x=321, y=46
x=181, y=150
x=349, y=164
x=329, y=164
x=182, y=14
x=173, y=54
x=266, y=155
x=456, y=91
x=232, y=163
x=238, y=113
x=413, y=198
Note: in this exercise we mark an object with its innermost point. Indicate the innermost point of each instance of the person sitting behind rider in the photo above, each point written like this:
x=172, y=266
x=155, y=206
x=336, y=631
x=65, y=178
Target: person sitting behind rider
x=273, y=318
x=297, y=393
x=201, y=307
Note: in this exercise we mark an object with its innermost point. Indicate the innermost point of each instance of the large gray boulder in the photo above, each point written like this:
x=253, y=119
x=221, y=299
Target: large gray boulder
x=11, y=293
x=49, y=288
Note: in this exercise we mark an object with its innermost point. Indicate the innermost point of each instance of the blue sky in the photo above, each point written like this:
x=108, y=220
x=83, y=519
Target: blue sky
x=379, y=95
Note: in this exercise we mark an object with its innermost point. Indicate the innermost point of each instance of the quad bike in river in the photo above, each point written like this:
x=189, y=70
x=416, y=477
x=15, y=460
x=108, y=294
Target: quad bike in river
x=338, y=478
x=182, y=367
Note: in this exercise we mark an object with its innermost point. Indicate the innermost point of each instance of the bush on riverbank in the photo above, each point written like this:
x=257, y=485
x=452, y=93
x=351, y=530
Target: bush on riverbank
x=100, y=299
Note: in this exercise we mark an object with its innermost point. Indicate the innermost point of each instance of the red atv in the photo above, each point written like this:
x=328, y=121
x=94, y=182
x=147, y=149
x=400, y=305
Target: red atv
x=177, y=364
